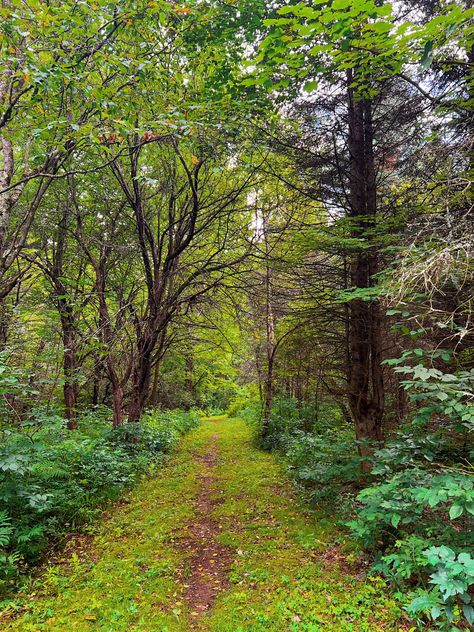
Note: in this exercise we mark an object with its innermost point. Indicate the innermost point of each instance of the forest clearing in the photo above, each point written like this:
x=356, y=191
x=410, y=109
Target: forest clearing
x=237, y=315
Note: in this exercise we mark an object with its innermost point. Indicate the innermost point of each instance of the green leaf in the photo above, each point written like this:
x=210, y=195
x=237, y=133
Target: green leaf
x=395, y=519
x=341, y=4
x=427, y=59
x=435, y=612
x=455, y=511
x=310, y=86
x=468, y=612
x=423, y=602
x=382, y=27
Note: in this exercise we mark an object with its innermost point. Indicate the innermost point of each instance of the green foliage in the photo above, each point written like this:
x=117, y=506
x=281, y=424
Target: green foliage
x=318, y=447
x=453, y=577
x=8, y=560
x=446, y=394
x=289, y=415
x=248, y=408
x=417, y=515
x=413, y=499
x=414, y=514
x=51, y=481
x=307, y=42
x=326, y=462
x=156, y=433
x=14, y=384
x=407, y=517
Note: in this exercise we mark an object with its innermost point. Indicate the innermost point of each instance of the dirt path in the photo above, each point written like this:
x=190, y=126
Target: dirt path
x=205, y=572
x=216, y=541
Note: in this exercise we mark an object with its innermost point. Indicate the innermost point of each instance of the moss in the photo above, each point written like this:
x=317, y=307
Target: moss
x=282, y=577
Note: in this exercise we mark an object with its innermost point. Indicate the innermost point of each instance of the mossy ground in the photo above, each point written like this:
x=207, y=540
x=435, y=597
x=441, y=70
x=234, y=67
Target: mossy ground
x=288, y=572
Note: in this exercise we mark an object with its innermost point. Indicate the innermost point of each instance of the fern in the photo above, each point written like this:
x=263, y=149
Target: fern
x=48, y=470
x=5, y=529
x=27, y=535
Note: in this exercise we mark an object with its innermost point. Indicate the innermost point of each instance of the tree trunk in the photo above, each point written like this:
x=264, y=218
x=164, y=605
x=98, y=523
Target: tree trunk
x=5, y=318
x=96, y=380
x=140, y=384
x=270, y=341
x=366, y=389
x=70, y=370
x=117, y=405
x=116, y=383
x=189, y=379
x=153, y=400
x=268, y=399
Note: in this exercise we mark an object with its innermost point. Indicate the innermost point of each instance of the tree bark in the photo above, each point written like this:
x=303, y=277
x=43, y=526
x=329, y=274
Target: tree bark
x=153, y=400
x=141, y=380
x=70, y=365
x=270, y=339
x=366, y=388
x=116, y=383
x=268, y=399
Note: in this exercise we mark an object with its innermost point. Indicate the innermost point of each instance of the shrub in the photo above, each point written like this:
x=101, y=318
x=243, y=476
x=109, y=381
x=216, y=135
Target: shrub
x=416, y=516
x=408, y=518
x=156, y=433
x=318, y=447
x=246, y=398
x=52, y=480
x=327, y=462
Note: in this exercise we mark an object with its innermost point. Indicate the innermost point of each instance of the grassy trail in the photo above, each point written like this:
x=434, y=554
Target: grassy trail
x=216, y=541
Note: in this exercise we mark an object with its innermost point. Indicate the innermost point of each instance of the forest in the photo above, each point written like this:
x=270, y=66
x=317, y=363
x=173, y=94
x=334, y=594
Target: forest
x=236, y=315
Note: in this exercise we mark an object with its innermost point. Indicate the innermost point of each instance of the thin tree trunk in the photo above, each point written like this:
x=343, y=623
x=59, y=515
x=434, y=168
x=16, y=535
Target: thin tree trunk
x=270, y=341
x=189, y=382
x=70, y=370
x=268, y=399
x=116, y=383
x=154, y=395
x=117, y=405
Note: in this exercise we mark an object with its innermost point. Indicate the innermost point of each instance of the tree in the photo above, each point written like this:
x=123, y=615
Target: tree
x=355, y=50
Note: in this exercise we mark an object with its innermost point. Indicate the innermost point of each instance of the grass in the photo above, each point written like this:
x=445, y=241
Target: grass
x=289, y=572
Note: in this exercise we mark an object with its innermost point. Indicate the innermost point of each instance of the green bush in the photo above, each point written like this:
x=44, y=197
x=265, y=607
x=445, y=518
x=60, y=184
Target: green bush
x=326, y=462
x=246, y=398
x=52, y=480
x=156, y=433
x=317, y=445
x=407, y=519
x=417, y=516
x=414, y=511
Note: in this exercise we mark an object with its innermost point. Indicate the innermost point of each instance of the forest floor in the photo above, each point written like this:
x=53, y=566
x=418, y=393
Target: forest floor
x=218, y=540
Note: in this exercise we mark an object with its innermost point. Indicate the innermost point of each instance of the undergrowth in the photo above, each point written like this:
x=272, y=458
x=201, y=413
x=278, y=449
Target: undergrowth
x=413, y=511
x=52, y=481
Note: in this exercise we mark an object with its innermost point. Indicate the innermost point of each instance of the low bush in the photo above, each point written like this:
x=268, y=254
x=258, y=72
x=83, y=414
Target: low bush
x=327, y=463
x=416, y=519
x=52, y=480
x=316, y=444
x=417, y=515
x=413, y=512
